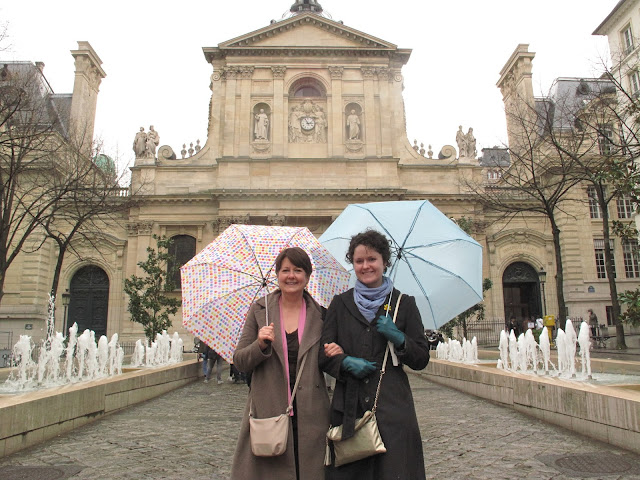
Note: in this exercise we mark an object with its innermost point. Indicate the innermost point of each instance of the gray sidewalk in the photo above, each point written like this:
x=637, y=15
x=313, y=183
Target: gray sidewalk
x=191, y=433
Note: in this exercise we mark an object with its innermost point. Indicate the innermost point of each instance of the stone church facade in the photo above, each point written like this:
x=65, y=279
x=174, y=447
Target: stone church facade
x=307, y=116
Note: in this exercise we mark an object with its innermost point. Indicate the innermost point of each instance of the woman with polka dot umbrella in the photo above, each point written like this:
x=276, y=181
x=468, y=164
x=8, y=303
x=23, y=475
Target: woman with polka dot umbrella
x=221, y=282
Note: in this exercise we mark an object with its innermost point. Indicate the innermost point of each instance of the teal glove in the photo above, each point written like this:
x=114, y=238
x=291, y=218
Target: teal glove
x=387, y=328
x=358, y=367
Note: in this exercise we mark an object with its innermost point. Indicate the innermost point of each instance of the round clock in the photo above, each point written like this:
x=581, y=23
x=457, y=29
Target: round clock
x=307, y=123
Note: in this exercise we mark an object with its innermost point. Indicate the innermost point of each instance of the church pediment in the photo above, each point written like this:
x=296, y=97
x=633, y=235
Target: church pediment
x=307, y=31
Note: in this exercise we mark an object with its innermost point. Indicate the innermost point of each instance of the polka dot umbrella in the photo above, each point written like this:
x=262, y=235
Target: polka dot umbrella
x=221, y=282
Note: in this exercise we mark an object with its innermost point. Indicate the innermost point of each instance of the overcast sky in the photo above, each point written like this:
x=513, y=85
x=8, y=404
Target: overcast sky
x=157, y=74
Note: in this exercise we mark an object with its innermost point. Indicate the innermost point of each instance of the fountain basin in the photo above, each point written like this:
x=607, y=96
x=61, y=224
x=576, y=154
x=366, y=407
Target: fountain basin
x=607, y=413
x=30, y=418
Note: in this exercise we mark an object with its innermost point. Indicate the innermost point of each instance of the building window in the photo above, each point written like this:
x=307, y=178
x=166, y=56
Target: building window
x=627, y=39
x=307, y=91
x=634, y=82
x=609, y=310
x=182, y=249
x=624, y=206
x=605, y=139
x=594, y=207
x=630, y=254
x=598, y=244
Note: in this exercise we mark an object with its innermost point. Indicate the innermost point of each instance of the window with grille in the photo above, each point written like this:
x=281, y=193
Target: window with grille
x=624, y=206
x=605, y=139
x=630, y=254
x=601, y=269
x=182, y=250
x=594, y=207
x=627, y=39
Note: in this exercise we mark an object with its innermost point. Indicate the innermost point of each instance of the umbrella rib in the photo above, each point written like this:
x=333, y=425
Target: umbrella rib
x=263, y=279
x=439, y=268
x=379, y=223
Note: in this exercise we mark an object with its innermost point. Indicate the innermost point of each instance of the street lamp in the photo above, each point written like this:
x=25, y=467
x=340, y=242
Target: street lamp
x=542, y=275
x=66, y=298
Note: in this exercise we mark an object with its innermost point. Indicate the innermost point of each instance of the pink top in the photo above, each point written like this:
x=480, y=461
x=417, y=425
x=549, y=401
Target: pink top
x=301, y=322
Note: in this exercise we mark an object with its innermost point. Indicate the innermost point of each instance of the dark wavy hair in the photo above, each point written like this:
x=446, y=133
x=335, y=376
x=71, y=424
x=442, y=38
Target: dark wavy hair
x=374, y=240
x=298, y=257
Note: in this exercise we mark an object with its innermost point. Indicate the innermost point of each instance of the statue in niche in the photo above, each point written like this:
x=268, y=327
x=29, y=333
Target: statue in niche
x=471, y=143
x=462, y=143
x=321, y=126
x=140, y=143
x=295, y=133
x=261, y=128
x=153, y=140
x=353, y=125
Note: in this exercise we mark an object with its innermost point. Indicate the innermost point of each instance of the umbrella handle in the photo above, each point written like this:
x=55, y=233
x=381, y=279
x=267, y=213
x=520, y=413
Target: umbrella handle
x=266, y=306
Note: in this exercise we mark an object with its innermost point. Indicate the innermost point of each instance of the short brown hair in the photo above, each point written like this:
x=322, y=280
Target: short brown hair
x=374, y=240
x=298, y=257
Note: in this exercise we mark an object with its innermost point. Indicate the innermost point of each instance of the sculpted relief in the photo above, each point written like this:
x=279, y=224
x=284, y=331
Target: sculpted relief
x=307, y=123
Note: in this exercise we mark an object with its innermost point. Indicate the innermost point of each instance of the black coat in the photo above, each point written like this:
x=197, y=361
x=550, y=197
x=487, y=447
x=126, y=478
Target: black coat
x=345, y=325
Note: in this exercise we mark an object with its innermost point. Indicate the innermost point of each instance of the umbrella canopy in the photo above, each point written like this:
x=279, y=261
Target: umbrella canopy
x=221, y=282
x=431, y=257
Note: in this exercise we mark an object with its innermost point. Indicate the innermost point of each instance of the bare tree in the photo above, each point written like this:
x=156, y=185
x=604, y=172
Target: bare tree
x=42, y=168
x=538, y=180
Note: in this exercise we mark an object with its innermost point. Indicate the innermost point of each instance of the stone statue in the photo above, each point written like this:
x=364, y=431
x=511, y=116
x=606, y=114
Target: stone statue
x=462, y=143
x=153, y=140
x=321, y=126
x=353, y=124
x=294, y=124
x=471, y=143
x=140, y=143
x=261, y=129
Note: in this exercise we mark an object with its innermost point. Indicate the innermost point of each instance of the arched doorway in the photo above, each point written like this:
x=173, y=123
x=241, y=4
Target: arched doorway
x=89, y=303
x=521, y=290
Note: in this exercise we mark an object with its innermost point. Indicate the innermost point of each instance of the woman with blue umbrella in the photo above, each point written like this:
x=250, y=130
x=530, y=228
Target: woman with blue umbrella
x=360, y=321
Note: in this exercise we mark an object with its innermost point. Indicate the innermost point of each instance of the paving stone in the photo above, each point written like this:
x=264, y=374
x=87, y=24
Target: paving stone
x=192, y=432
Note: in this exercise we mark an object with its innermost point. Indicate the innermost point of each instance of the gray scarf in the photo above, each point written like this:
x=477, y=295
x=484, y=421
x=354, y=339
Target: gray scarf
x=368, y=300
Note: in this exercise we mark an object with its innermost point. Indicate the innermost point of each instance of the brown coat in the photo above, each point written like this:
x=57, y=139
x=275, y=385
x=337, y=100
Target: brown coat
x=269, y=393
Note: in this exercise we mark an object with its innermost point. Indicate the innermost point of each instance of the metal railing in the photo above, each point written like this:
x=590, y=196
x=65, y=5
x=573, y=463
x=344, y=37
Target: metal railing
x=487, y=331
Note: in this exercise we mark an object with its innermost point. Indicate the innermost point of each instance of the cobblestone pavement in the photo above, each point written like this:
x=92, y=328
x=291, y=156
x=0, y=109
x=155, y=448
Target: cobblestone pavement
x=191, y=433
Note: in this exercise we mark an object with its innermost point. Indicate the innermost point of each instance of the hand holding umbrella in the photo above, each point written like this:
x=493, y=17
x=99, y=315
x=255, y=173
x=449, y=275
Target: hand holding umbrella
x=386, y=327
x=266, y=335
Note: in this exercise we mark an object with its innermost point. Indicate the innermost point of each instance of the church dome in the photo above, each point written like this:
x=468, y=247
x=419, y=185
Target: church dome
x=106, y=164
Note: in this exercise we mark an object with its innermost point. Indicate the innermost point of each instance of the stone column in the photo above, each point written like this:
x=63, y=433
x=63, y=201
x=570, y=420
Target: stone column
x=230, y=113
x=279, y=113
x=89, y=75
x=370, y=132
x=386, y=134
x=244, y=127
x=335, y=117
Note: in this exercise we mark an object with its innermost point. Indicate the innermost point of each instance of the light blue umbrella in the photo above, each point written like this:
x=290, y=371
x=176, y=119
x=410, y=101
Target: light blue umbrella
x=432, y=258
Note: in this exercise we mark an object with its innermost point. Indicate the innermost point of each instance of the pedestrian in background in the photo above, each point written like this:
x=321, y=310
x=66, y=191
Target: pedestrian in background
x=593, y=322
x=213, y=358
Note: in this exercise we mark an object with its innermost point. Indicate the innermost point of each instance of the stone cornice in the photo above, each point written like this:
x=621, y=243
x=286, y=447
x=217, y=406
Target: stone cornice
x=399, y=56
x=200, y=197
x=331, y=26
x=389, y=193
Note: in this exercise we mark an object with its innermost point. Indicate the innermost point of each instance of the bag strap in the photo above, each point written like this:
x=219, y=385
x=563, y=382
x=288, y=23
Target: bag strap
x=384, y=362
x=293, y=394
x=295, y=386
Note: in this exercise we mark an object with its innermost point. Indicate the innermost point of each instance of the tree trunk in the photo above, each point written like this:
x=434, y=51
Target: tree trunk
x=562, y=309
x=608, y=264
x=62, y=249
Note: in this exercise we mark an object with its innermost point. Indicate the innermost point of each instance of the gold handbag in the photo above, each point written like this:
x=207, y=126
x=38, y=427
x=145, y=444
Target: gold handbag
x=269, y=436
x=366, y=440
